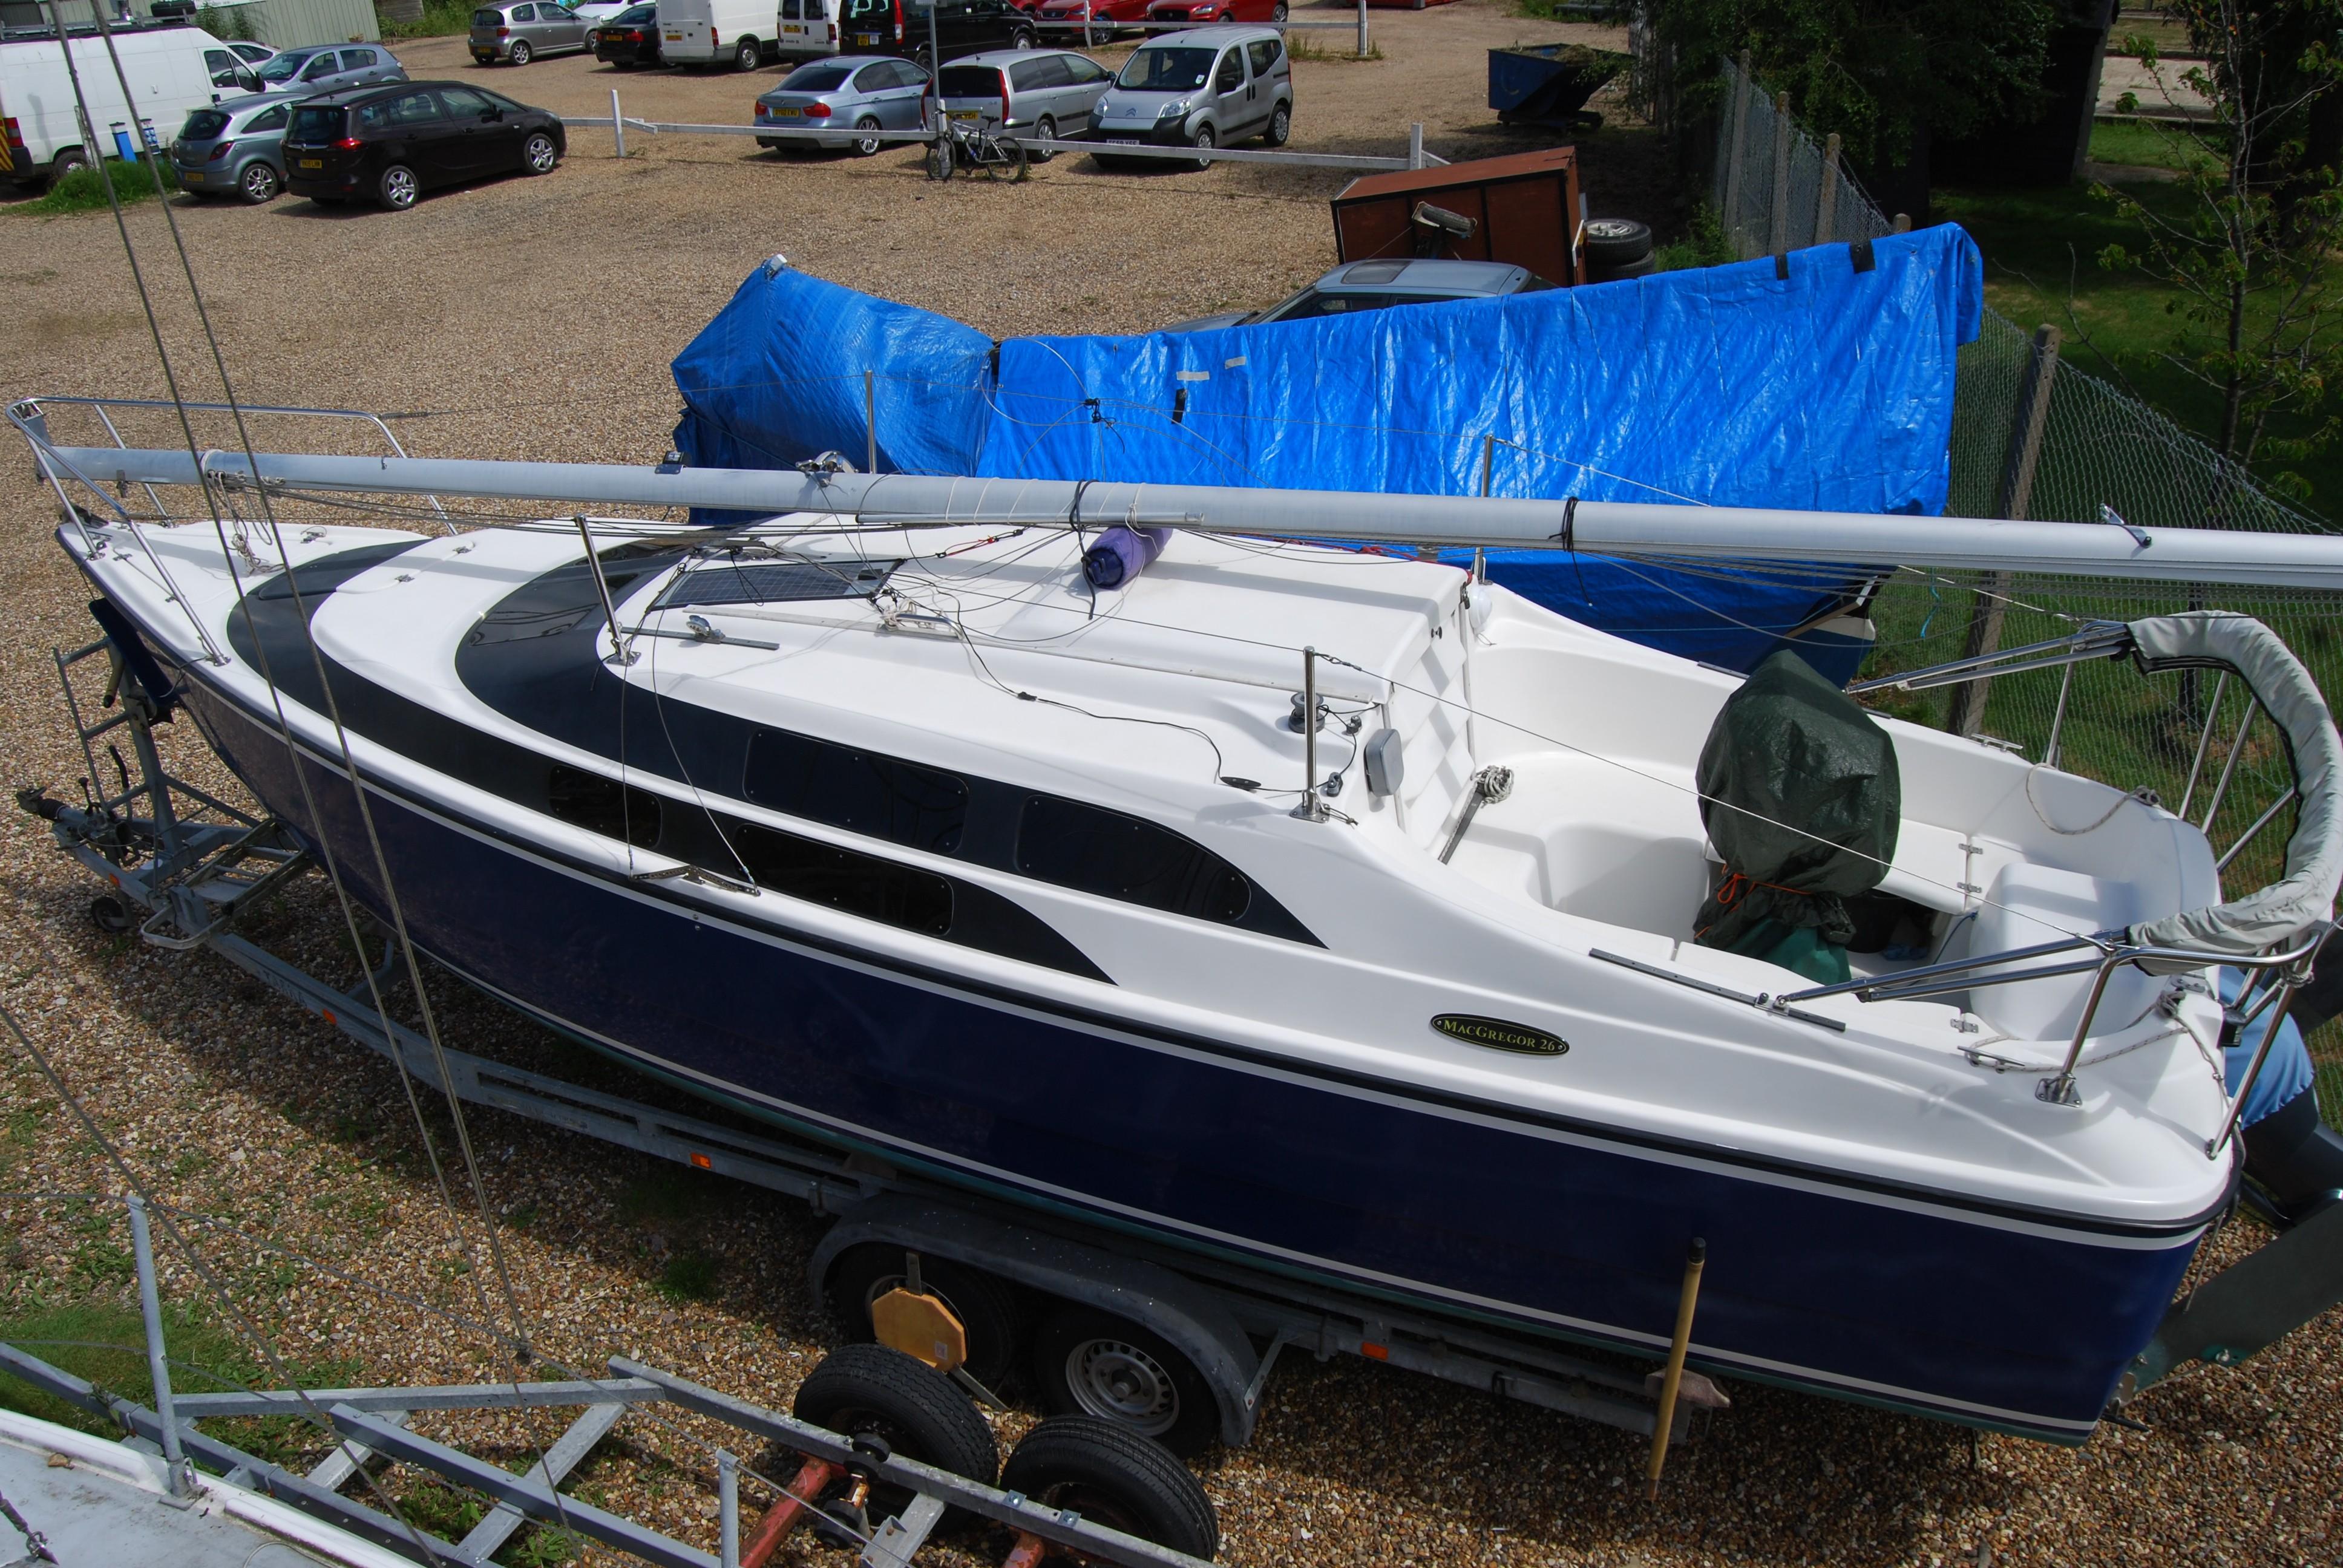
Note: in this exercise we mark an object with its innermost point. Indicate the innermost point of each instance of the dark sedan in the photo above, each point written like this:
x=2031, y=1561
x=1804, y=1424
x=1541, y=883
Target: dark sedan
x=390, y=145
x=630, y=38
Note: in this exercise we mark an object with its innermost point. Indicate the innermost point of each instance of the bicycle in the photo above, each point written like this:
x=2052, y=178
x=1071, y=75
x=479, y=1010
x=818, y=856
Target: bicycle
x=972, y=145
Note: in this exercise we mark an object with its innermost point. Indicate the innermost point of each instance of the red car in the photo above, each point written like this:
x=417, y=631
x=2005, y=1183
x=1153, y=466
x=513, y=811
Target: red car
x=1203, y=11
x=1106, y=17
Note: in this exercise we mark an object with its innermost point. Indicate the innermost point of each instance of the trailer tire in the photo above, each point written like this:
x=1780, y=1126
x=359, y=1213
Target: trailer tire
x=1113, y=1476
x=110, y=915
x=1612, y=243
x=984, y=1303
x=1090, y=1362
x=915, y=1409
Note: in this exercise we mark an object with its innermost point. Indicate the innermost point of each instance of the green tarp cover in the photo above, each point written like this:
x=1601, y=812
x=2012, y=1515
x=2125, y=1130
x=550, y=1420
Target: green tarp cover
x=1801, y=797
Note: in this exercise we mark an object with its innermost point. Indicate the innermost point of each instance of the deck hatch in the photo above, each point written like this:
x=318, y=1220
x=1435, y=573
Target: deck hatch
x=776, y=582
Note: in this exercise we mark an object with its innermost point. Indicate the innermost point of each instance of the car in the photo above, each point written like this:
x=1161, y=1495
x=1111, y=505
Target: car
x=1093, y=21
x=1046, y=93
x=1223, y=11
x=519, y=31
x=1361, y=286
x=235, y=148
x=957, y=27
x=1202, y=88
x=849, y=92
x=390, y=145
x=629, y=37
x=326, y=70
x=809, y=28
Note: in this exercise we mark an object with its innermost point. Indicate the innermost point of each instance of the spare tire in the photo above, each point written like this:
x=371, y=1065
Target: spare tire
x=1610, y=243
x=1635, y=268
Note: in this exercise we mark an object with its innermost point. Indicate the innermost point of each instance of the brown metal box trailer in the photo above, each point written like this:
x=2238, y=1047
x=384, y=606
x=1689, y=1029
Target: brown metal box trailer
x=1523, y=208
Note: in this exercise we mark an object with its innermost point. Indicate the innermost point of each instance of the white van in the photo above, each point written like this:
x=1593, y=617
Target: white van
x=704, y=31
x=172, y=71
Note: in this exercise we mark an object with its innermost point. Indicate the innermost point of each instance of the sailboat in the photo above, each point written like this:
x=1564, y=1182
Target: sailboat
x=1328, y=911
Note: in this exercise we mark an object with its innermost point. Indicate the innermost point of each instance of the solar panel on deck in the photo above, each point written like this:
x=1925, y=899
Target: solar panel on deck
x=776, y=582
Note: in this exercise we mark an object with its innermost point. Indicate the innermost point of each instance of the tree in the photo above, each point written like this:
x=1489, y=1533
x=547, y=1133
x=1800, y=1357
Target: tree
x=1877, y=72
x=2247, y=253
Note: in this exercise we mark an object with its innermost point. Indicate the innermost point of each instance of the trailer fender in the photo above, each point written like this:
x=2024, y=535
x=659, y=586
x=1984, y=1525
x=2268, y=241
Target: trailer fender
x=1189, y=1316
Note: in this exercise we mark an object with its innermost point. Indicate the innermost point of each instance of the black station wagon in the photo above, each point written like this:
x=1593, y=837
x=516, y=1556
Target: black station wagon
x=390, y=145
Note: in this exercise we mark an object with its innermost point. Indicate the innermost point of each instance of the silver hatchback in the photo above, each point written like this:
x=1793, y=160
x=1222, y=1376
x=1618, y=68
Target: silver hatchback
x=1204, y=87
x=327, y=70
x=846, y=93
x=235, y=148
x=1046, y=93
x=520, y=30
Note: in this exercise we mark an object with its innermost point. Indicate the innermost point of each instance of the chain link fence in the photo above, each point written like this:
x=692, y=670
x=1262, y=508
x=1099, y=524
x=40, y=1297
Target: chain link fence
x=2036, y=437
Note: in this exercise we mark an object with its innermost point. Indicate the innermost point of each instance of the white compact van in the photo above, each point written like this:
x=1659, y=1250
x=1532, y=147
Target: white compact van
x=705, y=32
x=172, y=70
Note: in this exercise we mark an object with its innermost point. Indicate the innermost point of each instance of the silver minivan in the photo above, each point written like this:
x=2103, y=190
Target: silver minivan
x=1047, y=93
x=521, y=31
x=1204, y=87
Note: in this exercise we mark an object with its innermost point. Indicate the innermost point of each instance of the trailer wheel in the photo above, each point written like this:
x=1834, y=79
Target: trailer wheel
x=1113, y=1476
x=911, y=1407
x=1090, y=1362
x=110, y=914
x=984, y=1304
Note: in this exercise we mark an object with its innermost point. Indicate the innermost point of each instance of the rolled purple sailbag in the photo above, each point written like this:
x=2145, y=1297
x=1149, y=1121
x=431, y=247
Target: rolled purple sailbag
x=1121, y=554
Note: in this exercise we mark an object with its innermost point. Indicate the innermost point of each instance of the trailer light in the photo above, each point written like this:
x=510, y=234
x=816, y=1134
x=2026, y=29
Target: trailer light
x=703, y=1161
x=1373, y=1352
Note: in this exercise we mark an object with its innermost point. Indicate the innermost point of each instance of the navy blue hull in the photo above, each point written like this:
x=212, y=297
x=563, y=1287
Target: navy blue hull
x=1891, y=1300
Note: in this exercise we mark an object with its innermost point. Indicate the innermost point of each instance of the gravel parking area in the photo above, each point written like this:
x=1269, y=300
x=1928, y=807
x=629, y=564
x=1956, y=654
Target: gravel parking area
x=534, y=318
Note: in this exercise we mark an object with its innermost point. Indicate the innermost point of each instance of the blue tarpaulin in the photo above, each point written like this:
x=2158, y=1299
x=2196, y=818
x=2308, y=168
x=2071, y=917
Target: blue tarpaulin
x=1730, y=386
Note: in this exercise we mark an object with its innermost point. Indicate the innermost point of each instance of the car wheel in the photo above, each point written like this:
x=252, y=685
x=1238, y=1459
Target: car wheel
x=1205, y=139
x=399, y=187
x=1281, y=125
x=520, y=52
x=1277, y=13
x=747, y=56
x=1610, y=243
x=865, y=146
x=1020, y=39
x=1047, y=129
x=66, y=162
x=920, y=57
x=258, y=183
x=538, y=154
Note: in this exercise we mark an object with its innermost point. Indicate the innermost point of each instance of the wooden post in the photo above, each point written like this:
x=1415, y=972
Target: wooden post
x=1734, y=160
x=2015, y=494
x=1826, y=198
x=1695, y=1258
x=1777, y=228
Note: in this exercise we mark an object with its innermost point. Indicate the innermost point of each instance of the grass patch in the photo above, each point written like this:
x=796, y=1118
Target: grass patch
x=688, y=1277
x=1304, y=46
x=2145, y=143
x=437, y=21
x=82, y=190
x=2041, y=265
x=668, y=1194
x=1705, y=244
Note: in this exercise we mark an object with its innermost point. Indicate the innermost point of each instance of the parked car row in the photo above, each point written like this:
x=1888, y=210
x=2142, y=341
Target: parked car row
x=1204, y=87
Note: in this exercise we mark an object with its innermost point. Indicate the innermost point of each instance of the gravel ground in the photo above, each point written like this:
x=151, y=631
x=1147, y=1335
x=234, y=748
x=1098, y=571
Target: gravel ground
x=534, y=318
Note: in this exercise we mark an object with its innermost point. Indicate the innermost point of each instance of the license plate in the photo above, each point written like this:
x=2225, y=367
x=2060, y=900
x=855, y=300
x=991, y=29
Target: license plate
x=193, y=176
x=313, y=163
x=968, y=113
x=675, y=37
x=785, y=114
x=866, y=37
x=792, y=29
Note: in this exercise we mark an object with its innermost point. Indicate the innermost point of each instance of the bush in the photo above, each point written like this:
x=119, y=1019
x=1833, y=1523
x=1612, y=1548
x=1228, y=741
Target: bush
x=81, y=190
x=441, y=19
x=228, y=22
x=1704, y=244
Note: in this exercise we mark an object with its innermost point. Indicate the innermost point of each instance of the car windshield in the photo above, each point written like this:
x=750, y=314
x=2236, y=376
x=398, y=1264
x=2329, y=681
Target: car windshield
x=1165, y=70
x=316, y=124
x=1311, y=304
x=202, y=125
x=817, y=78
x=286, y=66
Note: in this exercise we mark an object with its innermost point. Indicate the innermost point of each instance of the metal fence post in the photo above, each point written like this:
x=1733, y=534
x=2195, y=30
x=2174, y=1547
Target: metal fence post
x=1777, y=231
x=1362, y=29
x=2027, y=421
x=1415, y=145
x=728, y=1510
x=870, y=420
x=1826, y=197
x=617, y=123
x=150, y=1307
x=1734, y=156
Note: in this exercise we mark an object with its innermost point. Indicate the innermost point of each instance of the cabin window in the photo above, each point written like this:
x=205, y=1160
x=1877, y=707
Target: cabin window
x=1118, y=857
x=601, y=805
x=860, y=791
x=859, y=884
